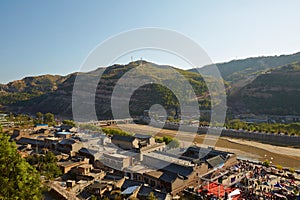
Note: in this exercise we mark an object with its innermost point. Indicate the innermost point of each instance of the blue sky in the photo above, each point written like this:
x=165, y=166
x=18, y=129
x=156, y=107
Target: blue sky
x=54, y=37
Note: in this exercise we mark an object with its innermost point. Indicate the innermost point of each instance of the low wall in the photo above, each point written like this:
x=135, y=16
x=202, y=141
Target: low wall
x=270, y=138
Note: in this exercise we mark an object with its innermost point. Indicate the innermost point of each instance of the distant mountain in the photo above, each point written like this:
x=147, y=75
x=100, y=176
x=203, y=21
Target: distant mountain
x=239, y=70
x=275, y=92
x=29, y=87
x=54, y=93
x=262, y=85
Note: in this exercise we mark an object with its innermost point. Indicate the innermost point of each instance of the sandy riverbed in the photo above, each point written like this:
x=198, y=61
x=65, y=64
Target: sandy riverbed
x=285, y=156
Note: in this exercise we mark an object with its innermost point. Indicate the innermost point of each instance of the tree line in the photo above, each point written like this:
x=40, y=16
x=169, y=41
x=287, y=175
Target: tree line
x=278, y=128
x=39, y=118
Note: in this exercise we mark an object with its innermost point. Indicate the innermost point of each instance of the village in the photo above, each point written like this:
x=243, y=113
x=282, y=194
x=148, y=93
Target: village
x=95, y=165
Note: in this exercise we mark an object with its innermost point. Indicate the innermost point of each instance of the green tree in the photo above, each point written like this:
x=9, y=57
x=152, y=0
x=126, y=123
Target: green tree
x=110, y=131
x=49, y=118
x=49, y=167
x=266, y=163
x=170, y=118
x=93, y=197
x=39, y=118
x=159, y=139
x=292, y=170
x=167, y=139
x=151, y=196
x=18, y=179
x=22, y=120
x=45, y=164
x=69, y=122
x=279, y=167
x=171, y=142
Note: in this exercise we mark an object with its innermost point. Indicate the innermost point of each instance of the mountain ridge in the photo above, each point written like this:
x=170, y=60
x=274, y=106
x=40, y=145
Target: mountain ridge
x=235, y=70
x=275, y=92
x=30, y=95
x=48, y=93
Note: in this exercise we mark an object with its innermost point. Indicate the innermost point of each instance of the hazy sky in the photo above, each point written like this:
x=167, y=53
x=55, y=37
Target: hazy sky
x=39, y=37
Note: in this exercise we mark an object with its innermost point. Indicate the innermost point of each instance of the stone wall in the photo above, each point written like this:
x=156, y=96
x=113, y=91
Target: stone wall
x=270, y=138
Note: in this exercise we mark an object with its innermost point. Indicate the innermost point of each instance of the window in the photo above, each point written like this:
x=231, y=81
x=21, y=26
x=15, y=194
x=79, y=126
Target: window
x=152, y=183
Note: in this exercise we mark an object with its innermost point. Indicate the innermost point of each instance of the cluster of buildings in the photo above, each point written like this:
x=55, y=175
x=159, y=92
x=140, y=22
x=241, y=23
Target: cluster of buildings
x=4, y=122
x=130, y=166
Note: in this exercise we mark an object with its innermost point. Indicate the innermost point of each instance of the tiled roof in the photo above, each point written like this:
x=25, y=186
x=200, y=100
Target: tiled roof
x=178, y=169
x=87, y=151
x=203, y=153
x=141, y=136
x=98, y=185
x=168, y=177
x=112, y=177
x=129, y=183
x=67, y=141
x=146, y=190
x=215, y=161
x=123, y=138
x=130, y=190
x=31, y=141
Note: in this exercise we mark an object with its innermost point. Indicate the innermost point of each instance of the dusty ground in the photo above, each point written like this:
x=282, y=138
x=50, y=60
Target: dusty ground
x=285, y=156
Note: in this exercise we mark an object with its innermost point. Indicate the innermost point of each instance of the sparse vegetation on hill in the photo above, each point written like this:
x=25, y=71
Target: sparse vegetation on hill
x=54, y=94
x=256, y=85
x=275, y=92
x=29, y=88
x=236, y=70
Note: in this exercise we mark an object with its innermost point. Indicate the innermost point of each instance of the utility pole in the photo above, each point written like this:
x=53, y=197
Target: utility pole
x=141, y=62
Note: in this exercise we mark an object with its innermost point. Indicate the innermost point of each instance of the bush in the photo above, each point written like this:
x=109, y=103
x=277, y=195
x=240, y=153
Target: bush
x=159, y=139
x=69, y=122
x=266, y=163
x=110, y=131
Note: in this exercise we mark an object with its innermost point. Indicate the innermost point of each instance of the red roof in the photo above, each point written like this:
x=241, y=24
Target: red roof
x=213, y=188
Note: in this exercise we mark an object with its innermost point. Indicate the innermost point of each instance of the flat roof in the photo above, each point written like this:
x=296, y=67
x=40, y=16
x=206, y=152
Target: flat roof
x=116, y=155
x=52, y=138
x=70, y=163
x=169, y=159
x=155, y=174
x=63, y=133
x=67, y=163
x=85, y=166
x=139, y=169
